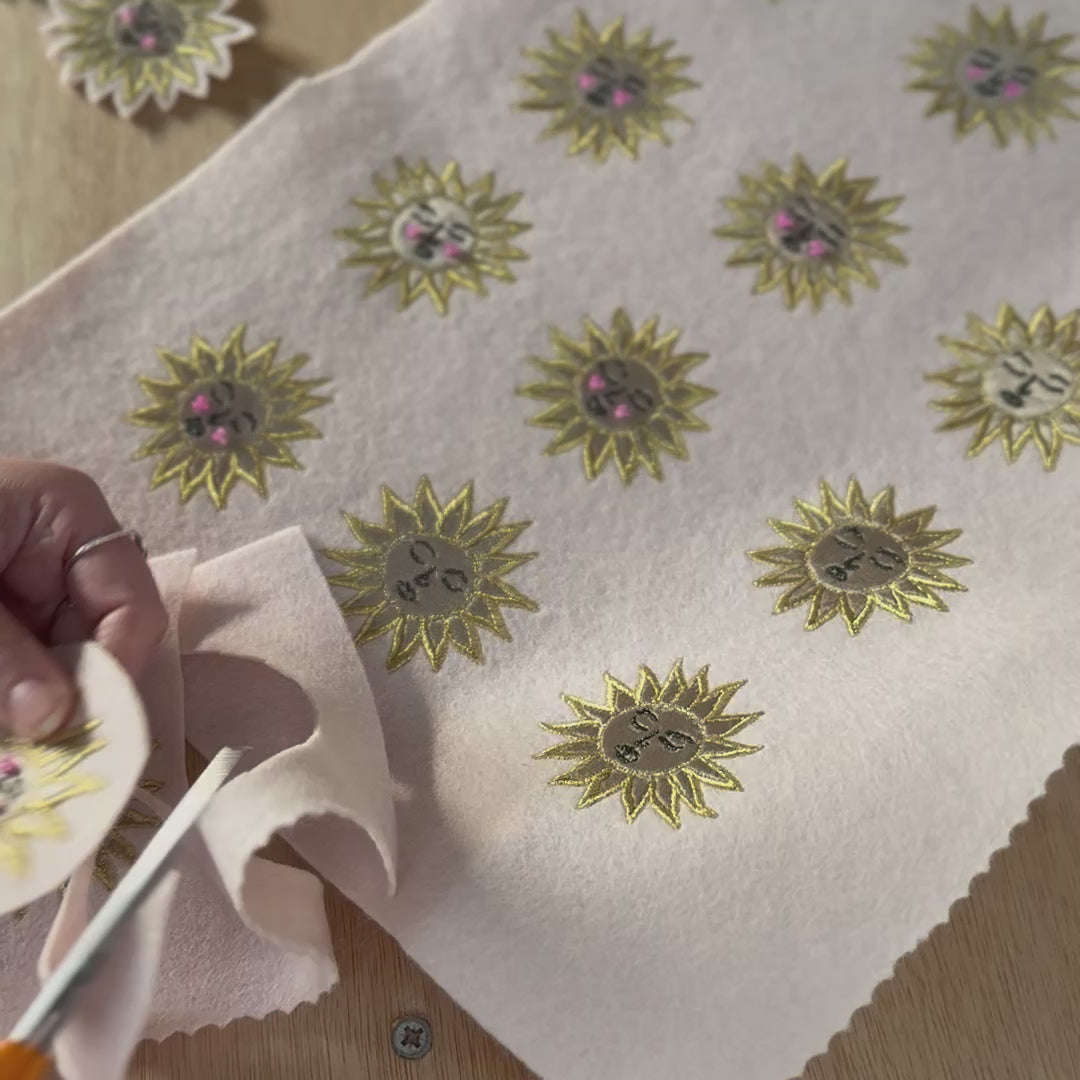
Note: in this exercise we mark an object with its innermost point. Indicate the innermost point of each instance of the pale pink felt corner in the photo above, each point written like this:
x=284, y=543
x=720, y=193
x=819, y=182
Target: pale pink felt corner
x=76, y=826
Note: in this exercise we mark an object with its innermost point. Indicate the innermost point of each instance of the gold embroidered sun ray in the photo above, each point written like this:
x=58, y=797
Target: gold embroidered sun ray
x=606, y=89
x=224, y=415
x=117, y=850
x=811, y=235
x=656, y=744
x=35, y=780
x=432, y=575
x=622, y=395
x=1015, y=382
x=429, y=233
x=133, y=50
x=1015, y=82
x=849, y=556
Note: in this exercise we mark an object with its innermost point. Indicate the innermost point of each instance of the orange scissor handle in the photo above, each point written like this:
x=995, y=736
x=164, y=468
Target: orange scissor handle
x=20, y=1062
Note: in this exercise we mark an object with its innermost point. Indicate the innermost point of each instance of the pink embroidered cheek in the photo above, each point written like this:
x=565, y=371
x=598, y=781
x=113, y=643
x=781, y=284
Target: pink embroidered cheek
x=9, y=767
x=220, y=436
x=621, y=98
x=815, y=249
x=200, y=404
x=596, y=382
x=125, y=16
x=586, y=81
x=783, y=221
x=414, y=231
x=1012, y=89
x=621, y=411
x=148, y=42
x=974, y=73
x=451, y=251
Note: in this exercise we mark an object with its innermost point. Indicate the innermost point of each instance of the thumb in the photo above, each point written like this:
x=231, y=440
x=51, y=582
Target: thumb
x=36, y=694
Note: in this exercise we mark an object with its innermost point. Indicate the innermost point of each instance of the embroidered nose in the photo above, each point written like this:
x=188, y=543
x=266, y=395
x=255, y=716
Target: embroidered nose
x=220, y=436
x=622, y=411
x=148, y=42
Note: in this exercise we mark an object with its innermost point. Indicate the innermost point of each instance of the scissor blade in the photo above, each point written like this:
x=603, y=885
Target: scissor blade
x=46, y=1011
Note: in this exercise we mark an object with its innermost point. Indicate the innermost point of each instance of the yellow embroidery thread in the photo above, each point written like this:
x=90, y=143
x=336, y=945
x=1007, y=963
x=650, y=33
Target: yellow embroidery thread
x=605, y=89
x=811, y=235
x=652, y=744
x=621, y=395
x=1014, y=82
x=1015, y=383
x=849, y=556
x=117, y=849
x=35, y=779
x=432, y=575
x=429, y=233
x=224, y=415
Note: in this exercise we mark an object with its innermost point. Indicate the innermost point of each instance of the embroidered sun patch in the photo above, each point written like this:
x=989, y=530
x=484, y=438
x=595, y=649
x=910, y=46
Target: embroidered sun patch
x=621, y=395
x=849, y=556
x=35, y=780
x=651, y=744
x=429, y=233
x=132, y=50
x=117, y=850
x=811, y=235
x=224, y=415
x=1015, y=383
x=605, y=89
x=432, y=575
x=1016, y=82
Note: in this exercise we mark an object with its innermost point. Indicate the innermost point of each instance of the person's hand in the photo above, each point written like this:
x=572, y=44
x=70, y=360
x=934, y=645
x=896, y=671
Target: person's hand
x=47, y=512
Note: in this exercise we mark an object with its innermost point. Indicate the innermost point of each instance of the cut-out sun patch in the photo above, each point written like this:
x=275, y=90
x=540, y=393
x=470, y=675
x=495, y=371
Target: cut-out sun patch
x=851, y=555
x=35, y=780
x=432, y=575
x=652, y=744
x=621, y=395
x=605, y=89
x=811, y=235
x=224, y=415
x=429, y=233
x=1016, y=82
x=1015, y=382
x=133, y=50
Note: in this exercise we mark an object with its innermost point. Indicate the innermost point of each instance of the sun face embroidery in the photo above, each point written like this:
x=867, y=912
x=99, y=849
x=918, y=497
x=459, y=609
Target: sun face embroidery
x=606, y=90
x=621, y=395
x=809, y=235
x=651, y=744
x=224, y=415
x=133, y=50
x=849, y=556
x=432, y=575
x=1014, y=82
x=1015, y=383
x=35, y=780
x=429, y=233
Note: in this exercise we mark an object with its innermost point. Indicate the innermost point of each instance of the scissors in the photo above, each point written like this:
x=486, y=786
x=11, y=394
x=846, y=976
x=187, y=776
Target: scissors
x=25, y=1054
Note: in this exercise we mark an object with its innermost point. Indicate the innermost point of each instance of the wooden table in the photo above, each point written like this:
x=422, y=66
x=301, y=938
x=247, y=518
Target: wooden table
x=992, y=995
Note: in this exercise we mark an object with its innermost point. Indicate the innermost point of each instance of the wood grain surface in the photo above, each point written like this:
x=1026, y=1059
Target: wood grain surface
x=994, y=994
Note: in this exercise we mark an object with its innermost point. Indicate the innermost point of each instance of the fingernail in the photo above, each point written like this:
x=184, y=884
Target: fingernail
x=36, y=709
